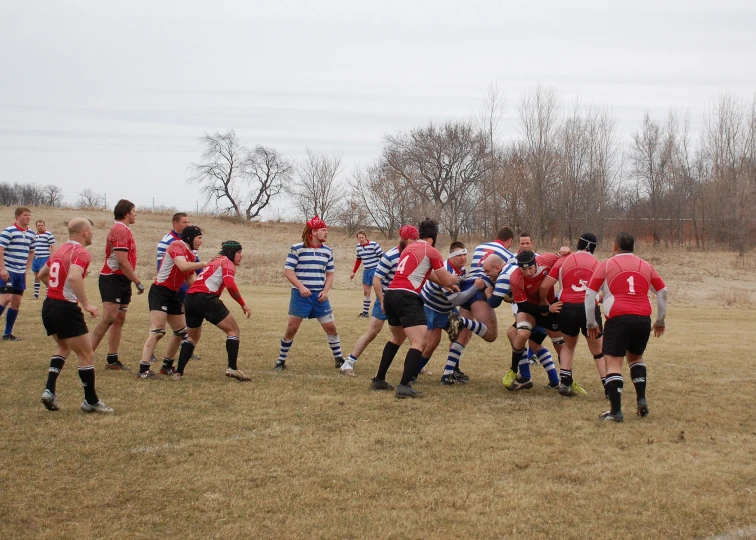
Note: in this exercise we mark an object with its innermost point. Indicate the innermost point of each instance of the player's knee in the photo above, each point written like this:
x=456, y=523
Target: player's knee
x=157, y=333
x=181, y=332
x=558, y=341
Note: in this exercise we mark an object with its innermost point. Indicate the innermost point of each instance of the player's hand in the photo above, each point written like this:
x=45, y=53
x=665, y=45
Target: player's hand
x=658, y=329
x=140, y=287
x=351, y=276
x=592, y=331
x=4, y=274
x=92, y=310
x=322, y=296
x=246, y=310
x=480, y=284
x=305, y=292
x=556, y=307
x=564, y=251
x=383, y=310
x=508, y=299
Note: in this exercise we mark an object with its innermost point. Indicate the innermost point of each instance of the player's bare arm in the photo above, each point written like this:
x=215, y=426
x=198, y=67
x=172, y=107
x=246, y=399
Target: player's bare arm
x=292, y=277
x=76, y=281
x=122, y=257
x=323, y=295
x=186, y=266
x=546, y=285
x=44, y=275
x=445, y=278
x=4, y=271
x=30, y=258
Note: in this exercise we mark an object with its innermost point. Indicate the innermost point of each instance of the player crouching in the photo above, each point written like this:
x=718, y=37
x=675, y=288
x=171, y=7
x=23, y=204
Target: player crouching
x=176, y=267
x=203, y=303
x=63, y=275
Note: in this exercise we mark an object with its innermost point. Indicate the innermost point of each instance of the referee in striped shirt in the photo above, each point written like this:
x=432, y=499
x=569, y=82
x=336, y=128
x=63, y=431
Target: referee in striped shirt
x=369, y=253
x=16, y=253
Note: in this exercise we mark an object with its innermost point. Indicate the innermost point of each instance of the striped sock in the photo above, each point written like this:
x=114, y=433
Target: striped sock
x=544, y=356
x=365, y=305
x=524, y=367
x=37, y=285
x=284, y=352
x=455, y=353
x=477, y=328
x=335, y=344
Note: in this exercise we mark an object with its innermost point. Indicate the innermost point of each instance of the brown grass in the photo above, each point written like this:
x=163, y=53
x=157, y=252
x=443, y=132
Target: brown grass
x=311, y=454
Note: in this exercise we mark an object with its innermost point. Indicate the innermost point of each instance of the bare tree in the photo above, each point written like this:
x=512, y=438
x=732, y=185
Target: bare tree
x=315, y=189
x=89, y=199
x=265, y=172
x=494, y=106
x=221, y=172
x=384, y=197
x=53, y=195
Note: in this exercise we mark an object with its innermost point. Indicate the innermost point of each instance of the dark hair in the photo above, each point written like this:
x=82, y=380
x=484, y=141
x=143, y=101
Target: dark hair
x=504, y=234
x=428, y=228
x=524, y=235
x=625, y=242
x=42, y=221
x=230, y=248
x=526, y=259
x=402, y=245
x=588, y=241
x=122, y=208
x=363, y=233
x=455, y=246
x=21, y=209
x=177, y=216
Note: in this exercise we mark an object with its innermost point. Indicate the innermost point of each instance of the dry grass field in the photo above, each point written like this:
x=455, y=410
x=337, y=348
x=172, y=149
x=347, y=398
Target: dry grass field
x=311, y=454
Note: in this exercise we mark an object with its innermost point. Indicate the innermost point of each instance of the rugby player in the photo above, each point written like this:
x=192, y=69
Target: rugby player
x=203, y=303
x=573, y=273
x=44, y=246
x=309, y=267
x=16, y=253
x=116, y=277
x=625, y=281
x=384, y=273
x=369, y=253
x=63, y=275
x=404, y=307
x=177, y=267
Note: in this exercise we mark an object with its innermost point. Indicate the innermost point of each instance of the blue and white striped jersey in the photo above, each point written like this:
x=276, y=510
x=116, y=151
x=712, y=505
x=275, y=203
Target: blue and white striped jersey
x=435, y=296
x=310, y=265
x=387, y=267
x=484, y=250
x=503, y=287
x=162, y=246
x=17, y=243
x=42, y=243
x=370, y=254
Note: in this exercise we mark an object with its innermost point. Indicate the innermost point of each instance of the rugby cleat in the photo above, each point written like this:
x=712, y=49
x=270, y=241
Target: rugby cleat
x=363, y=315
x=608, y=416
x=149, y=374
x=520, y=384
x=348, y=372
x=237, y=374
x=579, y=390
x=10, y=337
x=117, y=366
x=280, y=365
x=406, y=391
x=565, y=390
x=98, y=407
x=450, y=380
x=50, y=401
x=509, y=378
x=455, y=326
x=167, y=370
x=459, y=375
x=642, y=408
x=550, y=386
x=380, y=384
x=338, y=361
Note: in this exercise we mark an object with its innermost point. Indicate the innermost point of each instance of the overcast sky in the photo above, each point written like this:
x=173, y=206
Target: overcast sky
x=113, y=96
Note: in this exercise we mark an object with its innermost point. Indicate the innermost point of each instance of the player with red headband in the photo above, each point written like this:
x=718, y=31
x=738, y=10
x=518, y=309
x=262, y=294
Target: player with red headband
x=309, y=267
x=203, y=303
x=404, y=307
x=384, y=273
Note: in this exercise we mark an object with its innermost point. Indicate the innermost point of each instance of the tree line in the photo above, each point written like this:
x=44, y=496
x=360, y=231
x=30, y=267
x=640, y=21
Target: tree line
x=569, y=170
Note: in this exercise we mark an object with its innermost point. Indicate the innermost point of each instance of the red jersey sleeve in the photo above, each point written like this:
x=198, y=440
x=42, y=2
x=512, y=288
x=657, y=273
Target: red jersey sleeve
x=656, y=281
x=598, y=277
x=121, y=239
x=554, y=272
x=229, y=271
x=436, y=261
x=81, y=258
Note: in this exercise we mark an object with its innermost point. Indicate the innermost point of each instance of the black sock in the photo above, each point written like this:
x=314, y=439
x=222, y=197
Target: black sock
x=144, y=368
x=614, y=384
x=187, y=349
x=638, y=375
x=112, y=358
x=389, y=352
x=56, y=364
x=565, y=377
x=167, y=362
x=516, y=356
x=411, y=365
x=603, y=383
x=232, y=348
x=87, y=376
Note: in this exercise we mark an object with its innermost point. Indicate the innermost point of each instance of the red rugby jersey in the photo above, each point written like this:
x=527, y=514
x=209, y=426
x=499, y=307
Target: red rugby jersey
x=217, y=275
x=119, y=239
x=169, y=274
x=69, y=254
x=625, y=281
x=415, y=264
x=573, y=273
x=527, y=289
